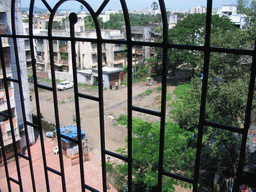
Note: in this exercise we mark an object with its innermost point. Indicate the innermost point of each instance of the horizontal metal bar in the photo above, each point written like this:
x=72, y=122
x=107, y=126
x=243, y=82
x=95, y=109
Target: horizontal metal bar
x=225, y=127
x=4, y=114
x=116, y=155
x=53, y=171
x=70, y=139
x=13, y=80
x=90, y=188
x=234, y=51
x=147, y=111
x=23, y=156
x=45, y=87
x=144, y=43
x=88, y=97
x=14, y=180
x=32, y=124
x=175, y=176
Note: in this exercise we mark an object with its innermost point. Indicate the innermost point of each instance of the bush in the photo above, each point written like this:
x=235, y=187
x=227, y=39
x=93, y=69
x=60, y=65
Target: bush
x=149, y=91
x=181, y=91
x=159, y=88
x=122, y=119
x=125, y=68
x=168, y=97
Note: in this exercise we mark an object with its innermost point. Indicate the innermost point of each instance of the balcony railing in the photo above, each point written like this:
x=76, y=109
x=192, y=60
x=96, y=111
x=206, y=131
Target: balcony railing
x=40, y=47
x=63, y=49
x=164, y=177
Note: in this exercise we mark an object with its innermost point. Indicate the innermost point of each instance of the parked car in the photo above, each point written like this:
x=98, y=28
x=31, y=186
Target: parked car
x=65, y=85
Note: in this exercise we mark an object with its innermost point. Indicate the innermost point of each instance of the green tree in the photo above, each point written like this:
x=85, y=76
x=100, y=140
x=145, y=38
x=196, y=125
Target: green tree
x=251, y=23
x=225, y=104
x=116, y=21
x=89, y=23
x=56, y=25
x=178, y=157
x=242, y=6
x=191, y=31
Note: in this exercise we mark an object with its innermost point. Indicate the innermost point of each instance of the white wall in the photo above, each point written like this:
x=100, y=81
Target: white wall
x=62, y=76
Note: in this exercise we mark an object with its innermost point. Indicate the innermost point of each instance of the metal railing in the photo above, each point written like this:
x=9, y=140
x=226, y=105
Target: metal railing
x=207, y=49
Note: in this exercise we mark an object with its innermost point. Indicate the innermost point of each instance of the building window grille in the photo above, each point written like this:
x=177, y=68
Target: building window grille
x=99, y=43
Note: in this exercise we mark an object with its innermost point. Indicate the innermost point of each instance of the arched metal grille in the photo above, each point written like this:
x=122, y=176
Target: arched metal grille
x=165, y=45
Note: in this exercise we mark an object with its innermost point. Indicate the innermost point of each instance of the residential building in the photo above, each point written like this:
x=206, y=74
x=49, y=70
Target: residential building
x=112, y=54
x=198, y=9
x=13, y=88
x=143, y=33
x=172, y=20
x=230, y=10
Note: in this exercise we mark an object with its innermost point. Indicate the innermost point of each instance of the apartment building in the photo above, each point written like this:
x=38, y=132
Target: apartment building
x=112, y=54
x=143, y=33
x=198, y=9
x=230, y=10
x=13, y=89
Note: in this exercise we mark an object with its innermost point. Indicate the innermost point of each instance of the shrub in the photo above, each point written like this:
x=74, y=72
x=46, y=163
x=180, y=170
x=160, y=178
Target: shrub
x=149, y=91
x=122, y=119
x=168, y=97
x=159, y=88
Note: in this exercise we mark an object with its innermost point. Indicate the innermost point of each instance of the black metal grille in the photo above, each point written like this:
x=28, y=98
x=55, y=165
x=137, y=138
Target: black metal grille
x=207, y=49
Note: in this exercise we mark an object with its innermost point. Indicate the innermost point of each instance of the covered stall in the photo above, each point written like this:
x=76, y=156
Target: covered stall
x=70, y=148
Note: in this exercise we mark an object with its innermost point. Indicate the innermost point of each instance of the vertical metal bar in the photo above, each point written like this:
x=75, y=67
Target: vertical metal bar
x=100, y=89
x=55, y=101
x=8, y=99
x=129, y=92
x=37, y=93
x=163, y=100
x=204, y=93
x=247, y=122
x=73, y=20
x=1, y=136
x=101, y=108
x=21, y=95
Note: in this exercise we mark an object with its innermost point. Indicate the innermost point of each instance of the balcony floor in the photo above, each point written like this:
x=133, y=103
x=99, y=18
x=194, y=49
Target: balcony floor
x=92, y=170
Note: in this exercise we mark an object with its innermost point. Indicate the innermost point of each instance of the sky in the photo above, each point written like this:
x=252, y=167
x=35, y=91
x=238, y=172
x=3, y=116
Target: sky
x=131, y=4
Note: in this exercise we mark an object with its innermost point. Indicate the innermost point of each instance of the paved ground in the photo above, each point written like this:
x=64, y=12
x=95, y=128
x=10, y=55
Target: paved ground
x=72, y=173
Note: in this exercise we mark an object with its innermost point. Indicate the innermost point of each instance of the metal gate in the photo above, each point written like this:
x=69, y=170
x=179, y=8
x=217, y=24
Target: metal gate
x=165, y=45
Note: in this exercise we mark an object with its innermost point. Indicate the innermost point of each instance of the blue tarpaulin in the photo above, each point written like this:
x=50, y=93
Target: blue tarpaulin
x=70, y=131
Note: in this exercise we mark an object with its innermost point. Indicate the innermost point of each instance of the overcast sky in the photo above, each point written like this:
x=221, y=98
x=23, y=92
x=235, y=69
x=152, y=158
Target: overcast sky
x=132, y=4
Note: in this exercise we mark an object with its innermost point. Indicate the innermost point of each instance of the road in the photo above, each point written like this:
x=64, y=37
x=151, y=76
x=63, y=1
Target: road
x=115, y=103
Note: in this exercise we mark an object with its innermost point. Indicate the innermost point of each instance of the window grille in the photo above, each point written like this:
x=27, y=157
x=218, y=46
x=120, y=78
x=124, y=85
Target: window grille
x=207, y=49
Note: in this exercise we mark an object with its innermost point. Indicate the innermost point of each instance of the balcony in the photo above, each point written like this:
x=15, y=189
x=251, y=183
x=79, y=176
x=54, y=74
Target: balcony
x=63, y=49
x=5, y=42
x=27, y=47
x=55, y=59
x=119, y=48
x=7, y=134
x=64, y=61
x=40, y=59
x=8, y=71
x=55, y=48
x=40, y=47
x=28, y=58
